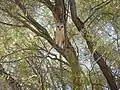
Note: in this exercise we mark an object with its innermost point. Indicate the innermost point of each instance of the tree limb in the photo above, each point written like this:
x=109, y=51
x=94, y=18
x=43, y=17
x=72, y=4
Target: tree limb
x=96, y=8
x=79, y=24
x=11, y=24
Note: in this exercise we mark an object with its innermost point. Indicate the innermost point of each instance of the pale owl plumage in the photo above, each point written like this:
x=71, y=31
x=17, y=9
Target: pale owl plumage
x=59, y=36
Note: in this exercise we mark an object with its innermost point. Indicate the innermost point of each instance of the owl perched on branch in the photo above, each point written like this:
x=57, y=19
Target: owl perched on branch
x=59, y=34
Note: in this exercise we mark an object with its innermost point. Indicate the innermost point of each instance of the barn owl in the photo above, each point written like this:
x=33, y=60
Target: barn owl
x=59, y=34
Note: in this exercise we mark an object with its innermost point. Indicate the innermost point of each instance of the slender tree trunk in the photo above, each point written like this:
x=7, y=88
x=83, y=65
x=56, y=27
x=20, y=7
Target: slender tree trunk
x=73, y=61
x=103, y=66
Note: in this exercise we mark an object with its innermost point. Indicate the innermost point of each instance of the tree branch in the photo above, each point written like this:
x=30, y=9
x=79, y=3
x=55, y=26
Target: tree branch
x=96, y=8
x=103, y=66
x=38, y=26
x=79, y=24
x=47, y=3
x=11, y=24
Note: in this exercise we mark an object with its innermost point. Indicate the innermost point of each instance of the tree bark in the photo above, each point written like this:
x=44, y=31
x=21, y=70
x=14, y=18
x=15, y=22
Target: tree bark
x=104, y=68
x=76, y=70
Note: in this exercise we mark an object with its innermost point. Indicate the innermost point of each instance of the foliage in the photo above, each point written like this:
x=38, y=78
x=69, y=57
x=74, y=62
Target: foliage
x=29, y=56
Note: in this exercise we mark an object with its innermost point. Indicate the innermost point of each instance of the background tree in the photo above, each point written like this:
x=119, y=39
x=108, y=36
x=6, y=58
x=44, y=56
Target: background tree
x=28, y=54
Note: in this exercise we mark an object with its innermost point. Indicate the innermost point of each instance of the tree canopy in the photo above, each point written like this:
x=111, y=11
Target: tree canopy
x=29, y=57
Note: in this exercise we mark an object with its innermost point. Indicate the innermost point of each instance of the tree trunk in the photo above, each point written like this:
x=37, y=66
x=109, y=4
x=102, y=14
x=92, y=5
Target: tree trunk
x=73, y=61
